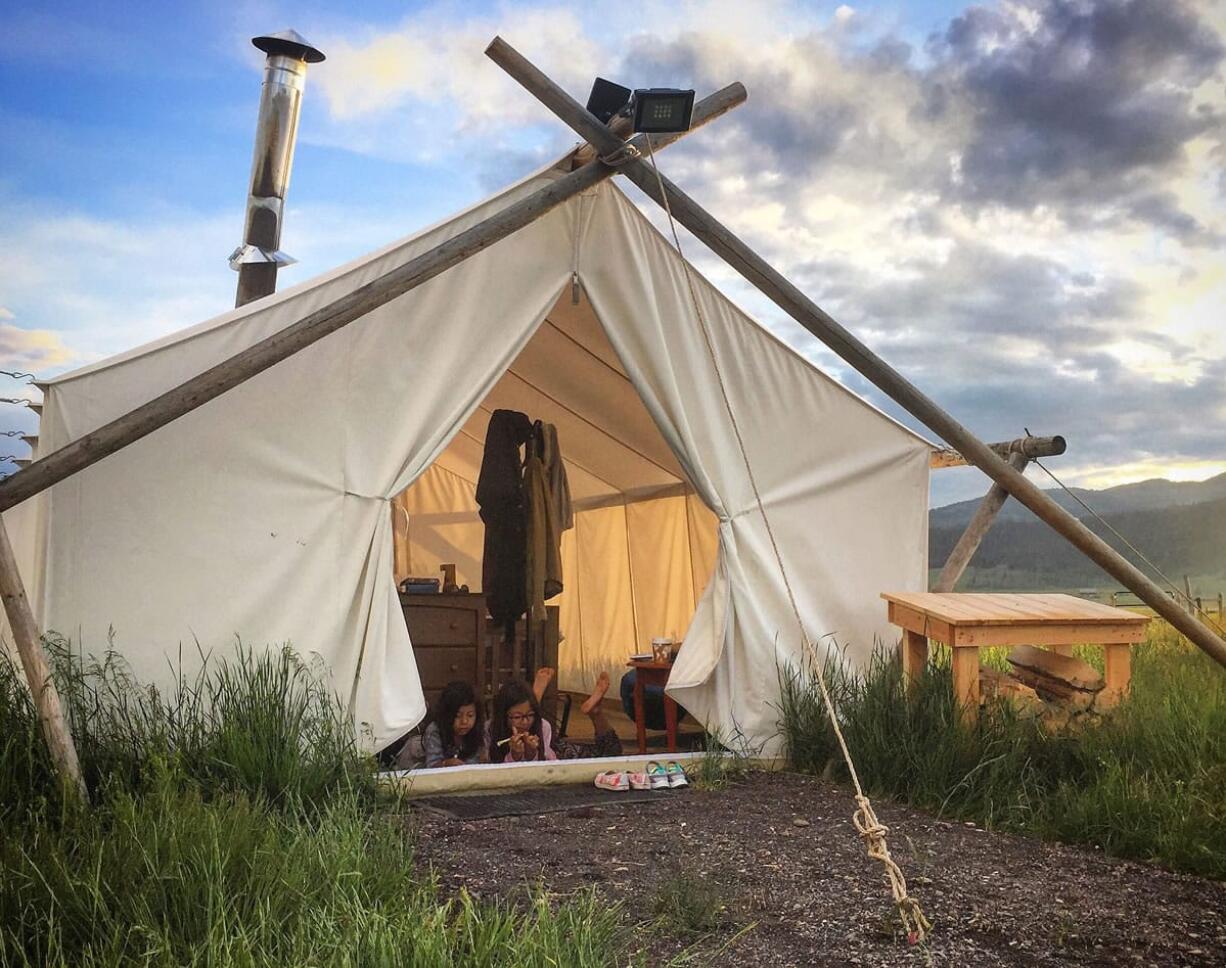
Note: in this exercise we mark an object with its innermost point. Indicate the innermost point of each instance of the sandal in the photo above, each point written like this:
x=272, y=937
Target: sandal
x=657, y=775
x=676, y=774
x=612, y=780
x=639, y=781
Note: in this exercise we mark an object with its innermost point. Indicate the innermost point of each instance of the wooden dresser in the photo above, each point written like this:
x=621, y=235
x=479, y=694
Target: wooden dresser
x=448, y=634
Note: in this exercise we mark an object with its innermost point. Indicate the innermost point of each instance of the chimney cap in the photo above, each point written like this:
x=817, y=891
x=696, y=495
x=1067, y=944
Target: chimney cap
x=288, y=42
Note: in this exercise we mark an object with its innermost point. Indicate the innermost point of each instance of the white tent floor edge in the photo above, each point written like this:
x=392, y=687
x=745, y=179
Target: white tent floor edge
x=506, y=776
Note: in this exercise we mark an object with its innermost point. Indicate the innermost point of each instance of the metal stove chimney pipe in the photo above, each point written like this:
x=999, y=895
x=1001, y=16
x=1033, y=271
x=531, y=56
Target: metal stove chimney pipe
x=257, y=259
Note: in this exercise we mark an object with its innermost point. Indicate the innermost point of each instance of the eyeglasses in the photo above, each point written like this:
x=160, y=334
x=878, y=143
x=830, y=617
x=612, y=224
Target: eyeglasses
x=521, y=717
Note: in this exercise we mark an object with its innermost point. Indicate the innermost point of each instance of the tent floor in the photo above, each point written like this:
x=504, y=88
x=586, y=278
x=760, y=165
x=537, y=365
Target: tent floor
x=533, y=801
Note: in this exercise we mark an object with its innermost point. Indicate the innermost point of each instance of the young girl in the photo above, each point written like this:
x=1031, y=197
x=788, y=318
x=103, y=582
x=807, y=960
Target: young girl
x=518, y=732
x=454, y=736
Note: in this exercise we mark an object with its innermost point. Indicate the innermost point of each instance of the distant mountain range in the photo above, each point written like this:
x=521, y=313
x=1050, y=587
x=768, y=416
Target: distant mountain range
x=1178, y=525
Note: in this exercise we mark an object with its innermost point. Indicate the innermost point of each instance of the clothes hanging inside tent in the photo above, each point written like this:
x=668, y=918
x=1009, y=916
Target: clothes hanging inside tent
x=544, y=556
x=555, y=471
x=500, y=495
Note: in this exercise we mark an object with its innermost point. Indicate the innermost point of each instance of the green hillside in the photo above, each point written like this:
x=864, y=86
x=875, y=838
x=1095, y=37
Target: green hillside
x=1181, y=538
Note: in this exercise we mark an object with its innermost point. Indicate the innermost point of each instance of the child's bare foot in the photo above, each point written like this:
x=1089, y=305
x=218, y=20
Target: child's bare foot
x=544, y=676
x=592, y=701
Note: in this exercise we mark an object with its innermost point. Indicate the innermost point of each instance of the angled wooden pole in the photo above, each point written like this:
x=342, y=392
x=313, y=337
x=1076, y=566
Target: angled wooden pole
x=979, y=525
x=1019, y=452
x=38, y=674
x=797, y=305
x=213, y=382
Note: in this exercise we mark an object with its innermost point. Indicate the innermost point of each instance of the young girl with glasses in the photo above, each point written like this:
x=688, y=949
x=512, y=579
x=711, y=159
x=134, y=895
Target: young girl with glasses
x=519, y=733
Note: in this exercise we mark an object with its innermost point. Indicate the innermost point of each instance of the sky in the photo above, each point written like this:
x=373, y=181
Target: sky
x=1021, y=206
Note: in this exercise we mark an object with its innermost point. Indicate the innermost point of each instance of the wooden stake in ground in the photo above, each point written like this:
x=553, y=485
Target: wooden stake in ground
x=38, y=674
x=796, y=304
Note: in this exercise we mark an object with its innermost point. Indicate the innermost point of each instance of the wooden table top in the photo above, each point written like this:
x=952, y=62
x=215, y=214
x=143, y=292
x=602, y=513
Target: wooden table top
x=972, y=608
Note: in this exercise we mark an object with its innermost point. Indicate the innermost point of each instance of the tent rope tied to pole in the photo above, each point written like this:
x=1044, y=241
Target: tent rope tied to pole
x=871, y=830
x=627, y=152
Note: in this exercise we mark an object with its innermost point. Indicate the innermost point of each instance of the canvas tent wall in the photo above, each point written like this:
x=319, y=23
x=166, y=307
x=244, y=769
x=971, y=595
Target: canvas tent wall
x=266, y=513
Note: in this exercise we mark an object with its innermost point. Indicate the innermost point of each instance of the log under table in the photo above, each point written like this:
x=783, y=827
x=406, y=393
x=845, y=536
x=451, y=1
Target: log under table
x=966, y=622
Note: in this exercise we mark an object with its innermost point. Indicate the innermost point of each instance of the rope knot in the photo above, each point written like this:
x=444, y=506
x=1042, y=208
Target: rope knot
x=873, y=833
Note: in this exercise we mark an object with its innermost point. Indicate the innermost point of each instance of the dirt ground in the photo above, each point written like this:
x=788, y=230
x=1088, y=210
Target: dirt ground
x=780, y=892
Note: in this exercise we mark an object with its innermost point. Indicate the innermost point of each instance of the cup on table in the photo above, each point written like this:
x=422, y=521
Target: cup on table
x=662, y=650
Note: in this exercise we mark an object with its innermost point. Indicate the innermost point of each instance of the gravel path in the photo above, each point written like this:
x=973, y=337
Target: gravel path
x=792, y=886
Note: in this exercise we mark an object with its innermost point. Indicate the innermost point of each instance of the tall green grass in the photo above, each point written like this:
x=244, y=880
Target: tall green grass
x=1148, y=782
x=165, y=876
x=259, y=722
x=233, y=823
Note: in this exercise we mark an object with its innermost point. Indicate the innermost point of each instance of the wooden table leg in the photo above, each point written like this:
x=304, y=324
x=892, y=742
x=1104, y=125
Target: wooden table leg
x=966, y=678
x=670, y=722
x=1117, y=662
x=914, y=654
x=640, y=718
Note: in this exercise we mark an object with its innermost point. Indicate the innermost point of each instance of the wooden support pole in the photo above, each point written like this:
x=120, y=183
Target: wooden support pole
x=972, y=537
x=1030, y=447
x=38, y=673
x=797, y=305
x=186, y=397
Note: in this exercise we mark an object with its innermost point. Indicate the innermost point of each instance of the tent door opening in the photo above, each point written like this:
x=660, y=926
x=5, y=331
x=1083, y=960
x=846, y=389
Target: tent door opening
x=643, y=545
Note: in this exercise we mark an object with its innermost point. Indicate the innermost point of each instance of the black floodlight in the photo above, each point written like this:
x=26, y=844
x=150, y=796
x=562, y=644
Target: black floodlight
x=607, y=99
x=660, y=109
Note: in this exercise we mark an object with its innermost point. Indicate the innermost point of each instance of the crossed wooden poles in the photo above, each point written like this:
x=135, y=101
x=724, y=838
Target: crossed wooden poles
x=604, y=144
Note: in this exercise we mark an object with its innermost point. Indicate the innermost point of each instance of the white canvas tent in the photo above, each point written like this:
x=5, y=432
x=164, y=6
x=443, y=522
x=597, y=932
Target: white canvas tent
x=265, y=514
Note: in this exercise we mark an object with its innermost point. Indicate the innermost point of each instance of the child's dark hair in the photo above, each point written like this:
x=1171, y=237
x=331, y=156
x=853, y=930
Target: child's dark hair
x=512, y=693
x=454, y=696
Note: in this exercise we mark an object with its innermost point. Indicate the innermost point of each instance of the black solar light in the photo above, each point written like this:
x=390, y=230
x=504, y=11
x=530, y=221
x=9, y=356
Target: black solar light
x=654, y=109
x=608, y=99
x=660, y=109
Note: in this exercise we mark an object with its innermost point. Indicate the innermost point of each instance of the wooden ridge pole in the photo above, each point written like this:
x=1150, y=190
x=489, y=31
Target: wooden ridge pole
x=38, y=674
x=1029, y=447
x=797, y=305
x=216, y=380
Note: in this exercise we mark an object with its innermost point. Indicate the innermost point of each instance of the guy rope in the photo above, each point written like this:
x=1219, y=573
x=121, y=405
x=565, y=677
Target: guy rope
x=871, y=830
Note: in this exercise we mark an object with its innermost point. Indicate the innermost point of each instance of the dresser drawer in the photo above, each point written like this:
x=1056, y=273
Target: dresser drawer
x=439, y=666
x=433, y=625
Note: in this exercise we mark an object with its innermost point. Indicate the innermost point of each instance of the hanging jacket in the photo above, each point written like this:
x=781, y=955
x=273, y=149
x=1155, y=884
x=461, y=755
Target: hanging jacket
x=500, y=497
x=543, y=568
x=555, y=472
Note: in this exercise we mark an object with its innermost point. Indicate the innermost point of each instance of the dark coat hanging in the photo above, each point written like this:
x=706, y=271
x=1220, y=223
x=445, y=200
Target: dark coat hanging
x=500, y=496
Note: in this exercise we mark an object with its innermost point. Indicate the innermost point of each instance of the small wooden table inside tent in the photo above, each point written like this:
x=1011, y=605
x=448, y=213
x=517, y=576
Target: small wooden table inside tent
x=967, y=622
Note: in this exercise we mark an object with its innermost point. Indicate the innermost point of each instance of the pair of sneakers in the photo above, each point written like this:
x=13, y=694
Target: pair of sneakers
x=655, y=777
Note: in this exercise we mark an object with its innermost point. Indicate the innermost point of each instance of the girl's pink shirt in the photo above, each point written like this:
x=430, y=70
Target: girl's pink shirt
x=546, y=742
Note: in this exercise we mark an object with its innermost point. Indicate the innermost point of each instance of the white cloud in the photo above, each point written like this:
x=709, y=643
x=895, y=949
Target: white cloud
x=32, y=349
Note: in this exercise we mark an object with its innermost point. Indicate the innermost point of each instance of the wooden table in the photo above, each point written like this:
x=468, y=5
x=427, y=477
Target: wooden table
x=966, y=622
x=653, y=674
